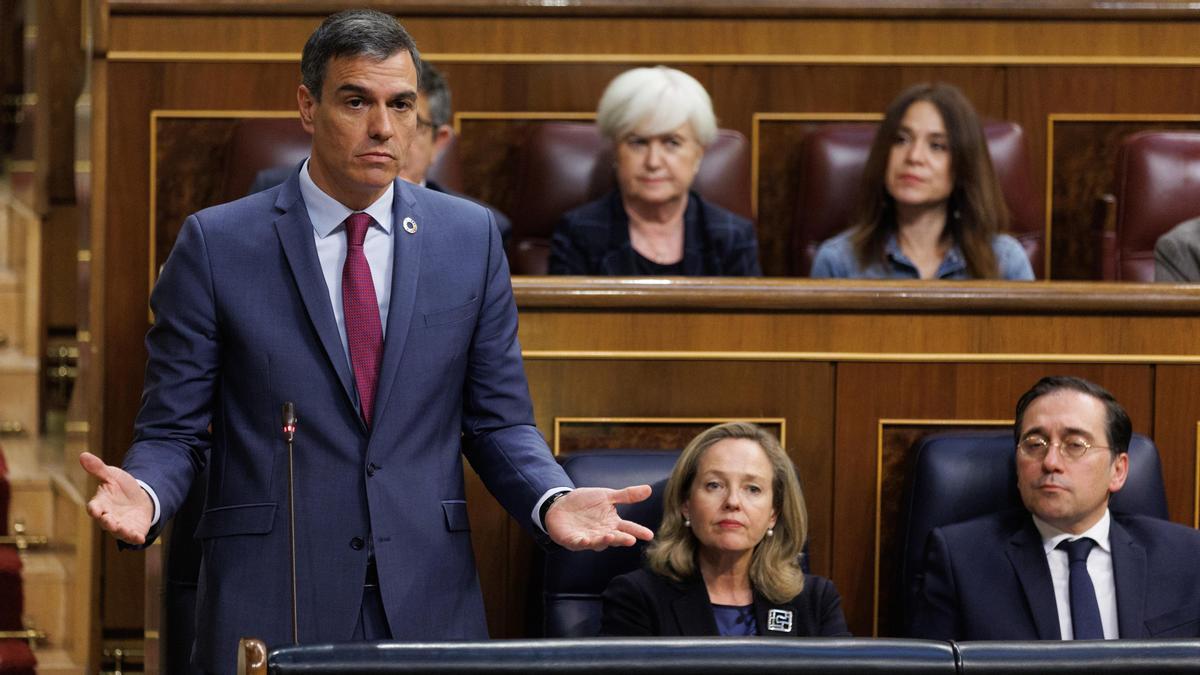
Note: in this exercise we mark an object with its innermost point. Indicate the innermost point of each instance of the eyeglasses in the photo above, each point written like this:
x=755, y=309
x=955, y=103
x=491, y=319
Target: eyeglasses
x=1036, y=447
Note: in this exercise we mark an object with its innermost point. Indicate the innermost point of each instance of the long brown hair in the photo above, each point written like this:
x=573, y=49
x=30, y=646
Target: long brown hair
x=975, y=212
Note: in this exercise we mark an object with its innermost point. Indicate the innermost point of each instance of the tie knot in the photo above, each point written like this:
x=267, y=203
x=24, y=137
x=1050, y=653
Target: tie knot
x=1078, y=549
x=356, y=228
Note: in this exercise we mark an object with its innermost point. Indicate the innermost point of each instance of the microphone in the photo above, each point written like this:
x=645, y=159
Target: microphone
x=289, y=421
x=289, y=434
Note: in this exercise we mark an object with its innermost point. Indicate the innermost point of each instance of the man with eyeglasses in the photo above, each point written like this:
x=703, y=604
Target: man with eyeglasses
x=1064, y=567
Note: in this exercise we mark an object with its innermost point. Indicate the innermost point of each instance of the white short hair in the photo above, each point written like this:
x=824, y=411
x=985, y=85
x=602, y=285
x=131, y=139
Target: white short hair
x=656, y=100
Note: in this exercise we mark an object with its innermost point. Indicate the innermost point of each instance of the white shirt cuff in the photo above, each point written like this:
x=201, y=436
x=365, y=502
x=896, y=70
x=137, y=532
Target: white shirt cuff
x=537, y=508
x=157, y=509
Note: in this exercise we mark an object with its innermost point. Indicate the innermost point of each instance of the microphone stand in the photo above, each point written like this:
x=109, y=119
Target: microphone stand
x=289, y=433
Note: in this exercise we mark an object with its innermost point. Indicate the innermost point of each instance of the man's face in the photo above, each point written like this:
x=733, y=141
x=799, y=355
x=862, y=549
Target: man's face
x=362, y=126
x=1070, y=494
x=426, y=146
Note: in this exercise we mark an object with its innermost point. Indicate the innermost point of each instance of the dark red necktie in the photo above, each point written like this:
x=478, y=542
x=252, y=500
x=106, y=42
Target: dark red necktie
x=364, y=332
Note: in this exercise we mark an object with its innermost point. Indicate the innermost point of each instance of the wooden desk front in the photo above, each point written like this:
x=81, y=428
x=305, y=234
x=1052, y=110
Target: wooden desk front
x=852, y=373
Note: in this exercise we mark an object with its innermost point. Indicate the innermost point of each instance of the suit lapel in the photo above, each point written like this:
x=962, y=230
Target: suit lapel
x=693, y=611
x=1129, y=576
x=406, y=268
x=1028, y=559
x=295, y=232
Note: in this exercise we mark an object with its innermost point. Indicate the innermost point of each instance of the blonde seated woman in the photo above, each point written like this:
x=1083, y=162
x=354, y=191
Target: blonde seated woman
x=726, y=559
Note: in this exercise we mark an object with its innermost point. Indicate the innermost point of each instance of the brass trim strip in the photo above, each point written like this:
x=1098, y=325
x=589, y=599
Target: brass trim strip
x=758, y=117
x=882, y=357
x=83, y=255
x=204, y=57
x=884, y=422
x=709, y=59
x=77, y=426
x=560, y=420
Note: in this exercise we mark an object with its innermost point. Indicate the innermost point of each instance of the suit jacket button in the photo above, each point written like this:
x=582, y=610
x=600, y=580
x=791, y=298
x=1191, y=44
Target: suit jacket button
x=371, y=469
x=357, y=543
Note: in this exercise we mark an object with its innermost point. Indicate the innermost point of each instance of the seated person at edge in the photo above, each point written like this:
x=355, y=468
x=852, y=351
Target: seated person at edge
x=726, y=559
x=659, y=121
x=929, y=205
x=1064, y=566
x=1177, y=254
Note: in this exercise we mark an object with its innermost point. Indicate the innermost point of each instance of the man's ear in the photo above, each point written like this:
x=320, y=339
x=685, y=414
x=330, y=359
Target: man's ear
x=307, y=104
x=441, y=140
x=1120, y=471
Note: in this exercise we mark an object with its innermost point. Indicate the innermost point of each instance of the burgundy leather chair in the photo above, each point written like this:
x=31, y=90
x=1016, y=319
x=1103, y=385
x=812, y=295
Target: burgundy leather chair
x=1157, y=186
x=566, y=164
x=831, y=165
x=269, y=143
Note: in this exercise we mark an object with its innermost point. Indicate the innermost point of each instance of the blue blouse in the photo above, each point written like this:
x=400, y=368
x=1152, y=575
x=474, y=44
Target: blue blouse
x=836, y=259
x=734, y=620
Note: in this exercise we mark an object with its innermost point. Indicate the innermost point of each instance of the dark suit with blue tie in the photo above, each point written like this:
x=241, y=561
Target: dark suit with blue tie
x=988, y=579
x=243, y=324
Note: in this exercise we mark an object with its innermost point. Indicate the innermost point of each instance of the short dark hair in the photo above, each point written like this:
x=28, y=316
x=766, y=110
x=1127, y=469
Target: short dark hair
x=353, y=32
x=1120, y=429
x=437, y=92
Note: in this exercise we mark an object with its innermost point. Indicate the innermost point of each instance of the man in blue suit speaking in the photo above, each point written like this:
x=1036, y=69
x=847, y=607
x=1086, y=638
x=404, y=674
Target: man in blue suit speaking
x=384, y=311
x=1065, y=567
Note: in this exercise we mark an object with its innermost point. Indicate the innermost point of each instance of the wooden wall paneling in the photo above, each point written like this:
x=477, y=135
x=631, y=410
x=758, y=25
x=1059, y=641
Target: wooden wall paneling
x=794, y=37
x=1090, y=108
x=1084, y=157
x=1176, y=429
x=586, y=434
x=937, y=392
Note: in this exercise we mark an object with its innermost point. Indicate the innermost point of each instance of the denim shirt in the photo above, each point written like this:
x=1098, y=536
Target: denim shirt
x=836, y=259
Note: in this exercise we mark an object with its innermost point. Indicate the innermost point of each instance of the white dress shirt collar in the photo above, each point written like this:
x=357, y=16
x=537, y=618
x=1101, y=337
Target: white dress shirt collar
x=1051, y=536
x=328, y=213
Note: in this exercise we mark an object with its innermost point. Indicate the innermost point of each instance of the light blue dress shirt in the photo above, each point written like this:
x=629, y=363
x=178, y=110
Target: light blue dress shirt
x=836, y=259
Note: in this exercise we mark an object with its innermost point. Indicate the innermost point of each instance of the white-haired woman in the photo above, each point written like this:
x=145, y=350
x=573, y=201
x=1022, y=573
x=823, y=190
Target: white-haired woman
x=659, y=121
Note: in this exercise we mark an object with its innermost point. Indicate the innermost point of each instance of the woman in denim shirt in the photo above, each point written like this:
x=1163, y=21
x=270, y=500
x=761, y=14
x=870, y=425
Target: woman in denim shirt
x=930, y=205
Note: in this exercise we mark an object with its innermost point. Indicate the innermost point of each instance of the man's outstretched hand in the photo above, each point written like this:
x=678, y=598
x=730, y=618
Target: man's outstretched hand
x=121, y=506
x=586, y=518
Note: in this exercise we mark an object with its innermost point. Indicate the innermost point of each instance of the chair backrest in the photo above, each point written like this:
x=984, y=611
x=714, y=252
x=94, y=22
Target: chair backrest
x=963, y=475
x=265, y=144
x=1157, y=186
x=832, y=159
x=574, y=580
x=566, y=164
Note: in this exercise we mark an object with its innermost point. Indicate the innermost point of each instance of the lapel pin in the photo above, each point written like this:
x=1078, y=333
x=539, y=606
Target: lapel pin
x=779, y=620
x=410, y=226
